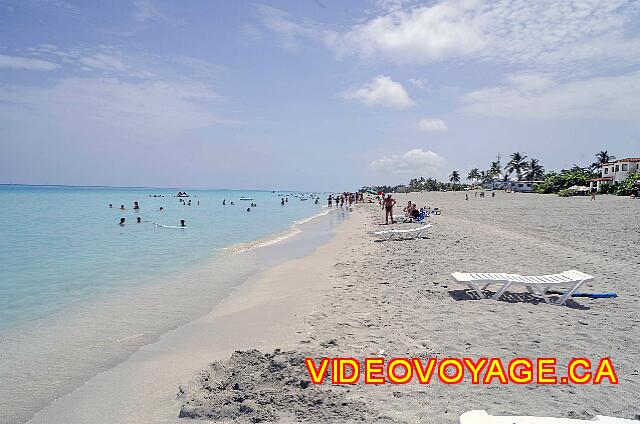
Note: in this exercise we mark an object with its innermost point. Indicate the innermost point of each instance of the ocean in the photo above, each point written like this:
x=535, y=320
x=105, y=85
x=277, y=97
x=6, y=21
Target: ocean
x=79, y=292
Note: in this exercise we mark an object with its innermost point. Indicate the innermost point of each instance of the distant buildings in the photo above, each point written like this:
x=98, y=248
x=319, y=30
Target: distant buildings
x=616, y=171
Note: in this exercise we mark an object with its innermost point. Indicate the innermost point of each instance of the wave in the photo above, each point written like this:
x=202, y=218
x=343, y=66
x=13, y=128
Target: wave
x=292, y=231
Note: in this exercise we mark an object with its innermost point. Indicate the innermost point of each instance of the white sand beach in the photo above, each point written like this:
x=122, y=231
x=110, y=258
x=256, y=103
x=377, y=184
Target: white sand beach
x=357, y=297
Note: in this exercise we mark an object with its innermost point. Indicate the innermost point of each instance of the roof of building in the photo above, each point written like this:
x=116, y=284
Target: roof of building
x=602, y=179
x=621, y=160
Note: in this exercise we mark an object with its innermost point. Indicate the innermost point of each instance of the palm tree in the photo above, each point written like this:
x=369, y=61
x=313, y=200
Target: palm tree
x=454, y=177
x=602, y=157
x=495, y=169
x=517, y=163
x=535, y=171
x=474, y=175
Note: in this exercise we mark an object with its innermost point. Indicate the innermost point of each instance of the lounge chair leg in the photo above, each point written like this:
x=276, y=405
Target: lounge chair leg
x=568, y=293
x=500, y=292
x=477, y=290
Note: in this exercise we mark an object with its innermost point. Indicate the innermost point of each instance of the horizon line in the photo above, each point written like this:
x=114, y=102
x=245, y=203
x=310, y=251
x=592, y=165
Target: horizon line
x=157, y=188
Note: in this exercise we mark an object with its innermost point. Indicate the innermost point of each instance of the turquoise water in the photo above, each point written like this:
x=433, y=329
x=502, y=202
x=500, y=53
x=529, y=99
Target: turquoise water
x=61, y=246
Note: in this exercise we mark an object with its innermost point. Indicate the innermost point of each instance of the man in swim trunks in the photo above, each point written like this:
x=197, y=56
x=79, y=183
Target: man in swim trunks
x=387, y=204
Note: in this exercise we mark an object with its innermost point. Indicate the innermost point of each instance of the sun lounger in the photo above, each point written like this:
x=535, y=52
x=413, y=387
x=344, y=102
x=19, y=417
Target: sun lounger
x=411, y=232
x=481, y=417
x=480, y=281
x=538, y=285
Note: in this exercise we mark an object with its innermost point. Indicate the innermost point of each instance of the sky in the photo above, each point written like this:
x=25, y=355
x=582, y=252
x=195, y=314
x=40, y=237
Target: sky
x=310, y=94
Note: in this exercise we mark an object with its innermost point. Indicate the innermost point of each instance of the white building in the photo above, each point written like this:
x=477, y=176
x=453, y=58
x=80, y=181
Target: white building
x=615, y=172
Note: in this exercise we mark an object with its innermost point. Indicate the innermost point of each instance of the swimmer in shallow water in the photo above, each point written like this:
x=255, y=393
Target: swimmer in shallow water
x=182, y=222
x=110, y=205
x=121, y=207
x=135, y=205
x=248, y=209
x=122, y=222
x=161, y=209
x=139, y=220
x=224, y=202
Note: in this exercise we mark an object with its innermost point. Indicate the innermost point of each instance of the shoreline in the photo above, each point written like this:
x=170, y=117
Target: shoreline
x=65, y=357
x=266, y=310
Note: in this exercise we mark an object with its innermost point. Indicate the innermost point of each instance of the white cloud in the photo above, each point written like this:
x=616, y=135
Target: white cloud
x=147, y=12
x=141, y=109
x=414, y=162
x=288, y=32
x=432, y=124
x=105, y=62
x=23, y=63
x=381, y=91
x=421, y=83
x=422, y=34
x=544, y=32
x=538, y=96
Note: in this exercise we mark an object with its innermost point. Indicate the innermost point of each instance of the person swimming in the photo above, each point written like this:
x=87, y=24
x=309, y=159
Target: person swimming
x=139, y=220
x=232, y=203
x=224, y=202
x=122, y=222
x=161, y=209
x=136, y=205
x=110, y=205
x=122, y=207
x=282, y=202
x=182, y=222
x=248, y=209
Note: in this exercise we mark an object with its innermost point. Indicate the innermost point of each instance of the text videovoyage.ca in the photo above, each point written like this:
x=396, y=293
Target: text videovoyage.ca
x=376, y=370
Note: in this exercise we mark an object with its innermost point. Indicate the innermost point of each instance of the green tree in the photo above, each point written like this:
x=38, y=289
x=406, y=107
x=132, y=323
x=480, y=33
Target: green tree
x=602, y=157
x=454, y=177
x=517, y=164
x=534, y=171
x=474, y=175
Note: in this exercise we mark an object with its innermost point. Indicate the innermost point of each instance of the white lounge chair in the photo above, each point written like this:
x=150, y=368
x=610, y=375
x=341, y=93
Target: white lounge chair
x=569, y=280
x=412, y=232
x=480, y=281
x=481, y=417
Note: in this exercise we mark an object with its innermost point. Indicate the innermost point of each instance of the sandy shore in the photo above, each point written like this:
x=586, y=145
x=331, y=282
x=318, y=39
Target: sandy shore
x=357, y=297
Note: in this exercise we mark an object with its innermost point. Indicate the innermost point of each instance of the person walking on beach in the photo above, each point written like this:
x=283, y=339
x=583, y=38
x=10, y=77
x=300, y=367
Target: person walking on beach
x=387, y=204
x=466, y=196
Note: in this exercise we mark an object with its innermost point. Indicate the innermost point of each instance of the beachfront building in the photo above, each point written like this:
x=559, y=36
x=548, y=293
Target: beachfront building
x=615, y=172
x=512, y=185
x=523, y=186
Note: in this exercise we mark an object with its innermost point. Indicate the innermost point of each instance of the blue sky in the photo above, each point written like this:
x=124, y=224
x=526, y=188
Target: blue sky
x=315, y=95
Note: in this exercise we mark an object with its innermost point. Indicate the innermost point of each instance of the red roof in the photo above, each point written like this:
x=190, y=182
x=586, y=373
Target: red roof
x=629, y=160
x=602, y=179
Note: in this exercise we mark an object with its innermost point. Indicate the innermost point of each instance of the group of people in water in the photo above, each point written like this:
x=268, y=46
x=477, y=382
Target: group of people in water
x=136, y=207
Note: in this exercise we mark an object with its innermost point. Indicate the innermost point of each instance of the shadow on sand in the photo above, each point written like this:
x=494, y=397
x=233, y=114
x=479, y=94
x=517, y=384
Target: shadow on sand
x=511, y=297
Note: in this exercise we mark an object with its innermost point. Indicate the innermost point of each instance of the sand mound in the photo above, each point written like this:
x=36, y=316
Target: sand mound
x=255, y=387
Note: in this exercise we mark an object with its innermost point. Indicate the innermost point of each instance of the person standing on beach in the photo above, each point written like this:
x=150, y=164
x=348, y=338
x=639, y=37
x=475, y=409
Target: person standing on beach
x=387, y=204
x=593, y=195
x=330, y=200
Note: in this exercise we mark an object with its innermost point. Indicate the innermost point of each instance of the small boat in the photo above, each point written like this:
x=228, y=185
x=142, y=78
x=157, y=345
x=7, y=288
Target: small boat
x=246, y=198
